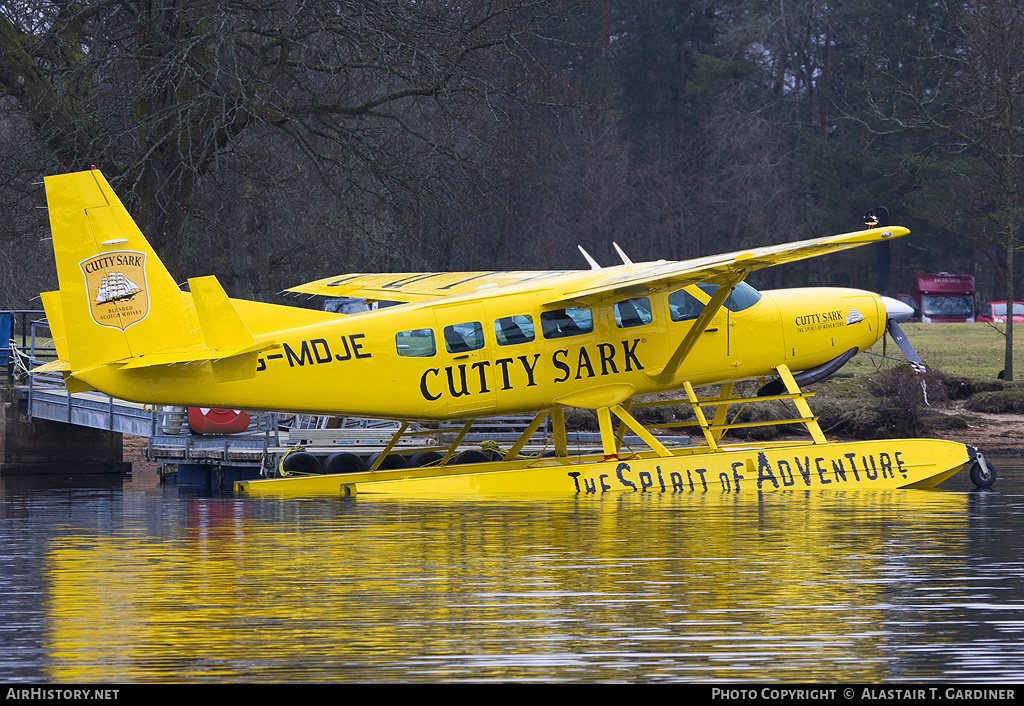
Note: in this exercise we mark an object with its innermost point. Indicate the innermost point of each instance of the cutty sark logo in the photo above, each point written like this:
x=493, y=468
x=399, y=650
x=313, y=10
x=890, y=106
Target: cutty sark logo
x=115, y=283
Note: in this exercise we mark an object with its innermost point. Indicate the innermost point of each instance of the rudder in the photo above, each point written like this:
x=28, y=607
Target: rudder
x=118, y=299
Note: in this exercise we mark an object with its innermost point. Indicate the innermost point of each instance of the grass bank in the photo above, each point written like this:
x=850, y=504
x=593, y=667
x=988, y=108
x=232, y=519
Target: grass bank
x=879, y=397
x=974, y=351
x=876, y=396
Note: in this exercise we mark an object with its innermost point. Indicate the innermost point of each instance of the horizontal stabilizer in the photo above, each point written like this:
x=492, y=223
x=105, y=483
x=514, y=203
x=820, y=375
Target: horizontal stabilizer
x=55, y=319
x=225, y=334
x=193, y=356
x=56, y=366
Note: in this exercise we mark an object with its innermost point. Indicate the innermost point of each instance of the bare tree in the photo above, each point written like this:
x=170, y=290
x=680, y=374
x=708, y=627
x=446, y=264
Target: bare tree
x=964, y=89
x=160, y=93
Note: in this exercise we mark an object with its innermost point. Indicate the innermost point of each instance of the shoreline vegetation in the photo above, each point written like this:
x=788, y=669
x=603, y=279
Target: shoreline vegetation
x=967, y=401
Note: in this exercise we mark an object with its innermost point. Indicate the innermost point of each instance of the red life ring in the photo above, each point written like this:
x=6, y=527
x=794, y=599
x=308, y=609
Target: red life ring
x=204, y=420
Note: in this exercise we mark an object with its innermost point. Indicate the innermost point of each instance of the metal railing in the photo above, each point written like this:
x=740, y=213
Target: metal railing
x=167, y=429
x=49, y=399
x=247, y=448
x=22, y=325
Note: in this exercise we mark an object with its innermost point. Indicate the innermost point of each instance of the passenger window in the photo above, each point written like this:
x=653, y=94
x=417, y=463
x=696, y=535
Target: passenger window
x=566, y=322
x=462, y=338
x=510, y=330
x=418, y=343
x=683, y=306
x=633, y=312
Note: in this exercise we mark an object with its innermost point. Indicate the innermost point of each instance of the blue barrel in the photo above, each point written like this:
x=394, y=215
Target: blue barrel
x=6, y=326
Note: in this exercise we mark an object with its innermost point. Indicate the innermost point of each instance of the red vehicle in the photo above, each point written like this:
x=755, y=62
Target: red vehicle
x=995, y=312
x=942, y=298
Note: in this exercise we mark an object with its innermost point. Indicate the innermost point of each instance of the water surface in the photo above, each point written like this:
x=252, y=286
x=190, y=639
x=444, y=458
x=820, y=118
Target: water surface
x=135, y=582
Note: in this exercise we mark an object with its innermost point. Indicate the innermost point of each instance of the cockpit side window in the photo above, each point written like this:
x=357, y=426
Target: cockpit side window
x=683, y=306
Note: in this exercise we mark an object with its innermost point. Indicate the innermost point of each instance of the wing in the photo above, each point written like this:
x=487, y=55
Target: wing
x=728, y=269
x=584, y=287
x=417, y=286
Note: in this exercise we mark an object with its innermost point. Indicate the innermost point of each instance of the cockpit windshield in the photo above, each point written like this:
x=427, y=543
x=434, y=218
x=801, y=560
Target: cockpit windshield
x=683, y=306
x=743, y=296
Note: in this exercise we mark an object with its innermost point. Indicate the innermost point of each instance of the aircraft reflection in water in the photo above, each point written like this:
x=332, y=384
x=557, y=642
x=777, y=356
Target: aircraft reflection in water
x=467, y=345
x=673, y=587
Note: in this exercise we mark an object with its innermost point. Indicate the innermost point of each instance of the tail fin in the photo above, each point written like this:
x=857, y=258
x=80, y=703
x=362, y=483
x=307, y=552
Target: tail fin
x=118, y=299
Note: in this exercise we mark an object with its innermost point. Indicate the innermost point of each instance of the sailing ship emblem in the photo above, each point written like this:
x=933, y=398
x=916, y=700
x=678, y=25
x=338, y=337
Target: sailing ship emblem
x=116, y=287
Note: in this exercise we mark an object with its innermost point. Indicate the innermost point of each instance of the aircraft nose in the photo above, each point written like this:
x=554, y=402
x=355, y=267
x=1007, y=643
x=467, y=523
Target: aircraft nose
x=897, y=310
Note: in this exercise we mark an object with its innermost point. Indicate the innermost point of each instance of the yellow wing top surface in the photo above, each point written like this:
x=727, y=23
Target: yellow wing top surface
x=418, y=286
x=586, y=286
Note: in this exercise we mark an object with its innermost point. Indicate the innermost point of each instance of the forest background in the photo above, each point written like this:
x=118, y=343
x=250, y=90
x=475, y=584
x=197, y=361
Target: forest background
x=273, y=142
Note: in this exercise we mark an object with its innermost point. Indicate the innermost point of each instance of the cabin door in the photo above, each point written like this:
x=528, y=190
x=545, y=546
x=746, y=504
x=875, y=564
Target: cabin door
x=466, y=367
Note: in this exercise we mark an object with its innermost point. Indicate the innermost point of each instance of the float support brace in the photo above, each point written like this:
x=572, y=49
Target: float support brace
x=387, y=449
x=525, y=437
x=640, y=430
x=604, y=421
x=455, y=444
x=709, y=436
x=722, y=411
x=558, y=432
x=801, y=405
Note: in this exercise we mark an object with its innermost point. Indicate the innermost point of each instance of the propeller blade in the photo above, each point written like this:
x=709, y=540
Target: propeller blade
x=904, y=343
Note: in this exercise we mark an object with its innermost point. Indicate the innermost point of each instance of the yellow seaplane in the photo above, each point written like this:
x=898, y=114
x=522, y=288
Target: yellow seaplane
x=463, y=346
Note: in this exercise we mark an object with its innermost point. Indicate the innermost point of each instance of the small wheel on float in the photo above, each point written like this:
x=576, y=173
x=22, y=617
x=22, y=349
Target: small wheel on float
x=983, y=473
x=344, y=462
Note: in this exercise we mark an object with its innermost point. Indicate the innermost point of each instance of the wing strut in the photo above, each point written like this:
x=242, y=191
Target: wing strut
x=665, y=375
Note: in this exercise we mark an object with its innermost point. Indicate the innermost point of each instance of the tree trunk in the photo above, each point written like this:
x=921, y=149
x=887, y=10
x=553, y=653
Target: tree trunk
x=1011, y=245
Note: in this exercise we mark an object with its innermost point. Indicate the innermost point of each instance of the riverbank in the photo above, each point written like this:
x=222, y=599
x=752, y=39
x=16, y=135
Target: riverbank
x=995, y=434
x=965, y=398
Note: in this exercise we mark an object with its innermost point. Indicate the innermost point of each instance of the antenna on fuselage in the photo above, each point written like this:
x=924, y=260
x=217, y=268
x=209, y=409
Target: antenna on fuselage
x=625, y=258
x=592, y=261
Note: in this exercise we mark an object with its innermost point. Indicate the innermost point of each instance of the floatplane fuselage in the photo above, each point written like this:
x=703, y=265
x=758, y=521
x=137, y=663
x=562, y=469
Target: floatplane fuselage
x=419, y=361
x=459, y=345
